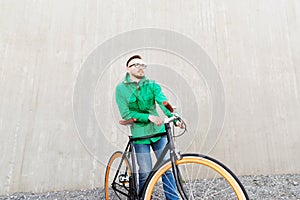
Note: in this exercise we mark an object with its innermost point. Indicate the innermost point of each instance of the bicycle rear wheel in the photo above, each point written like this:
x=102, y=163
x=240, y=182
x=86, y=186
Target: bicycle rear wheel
x=117, y=177
x=201, y=177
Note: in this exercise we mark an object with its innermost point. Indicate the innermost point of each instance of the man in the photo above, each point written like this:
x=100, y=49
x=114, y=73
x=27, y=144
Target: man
x=136, y=97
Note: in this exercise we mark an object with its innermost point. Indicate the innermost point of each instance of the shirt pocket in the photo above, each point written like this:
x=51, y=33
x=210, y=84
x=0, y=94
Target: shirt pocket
x=148, y=100
x=132, y=103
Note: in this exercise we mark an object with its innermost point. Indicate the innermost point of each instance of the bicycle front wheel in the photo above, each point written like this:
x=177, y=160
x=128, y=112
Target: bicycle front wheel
x=117, y=175
x=200, y=177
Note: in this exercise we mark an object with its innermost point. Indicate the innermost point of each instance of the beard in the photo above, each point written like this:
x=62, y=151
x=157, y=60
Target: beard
x=139, y=75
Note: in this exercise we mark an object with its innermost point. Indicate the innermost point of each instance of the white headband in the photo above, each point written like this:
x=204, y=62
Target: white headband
x=136, y=61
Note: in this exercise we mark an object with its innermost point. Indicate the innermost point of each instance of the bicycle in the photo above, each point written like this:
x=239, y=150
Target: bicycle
x=196, y=176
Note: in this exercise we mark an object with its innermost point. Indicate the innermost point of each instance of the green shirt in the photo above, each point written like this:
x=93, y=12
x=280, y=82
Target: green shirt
x=137, y=100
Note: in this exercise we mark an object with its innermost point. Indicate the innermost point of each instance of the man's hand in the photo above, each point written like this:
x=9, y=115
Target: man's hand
x=179, y=124
x=156, y=120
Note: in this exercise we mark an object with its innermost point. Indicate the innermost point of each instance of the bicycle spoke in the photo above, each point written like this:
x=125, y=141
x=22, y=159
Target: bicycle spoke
x=219, y=191
x=162, y=186
x=198, y=174
x=191, y=189
x=159, y=191
x=210, y=186
x=228, y=190
x=170, y=182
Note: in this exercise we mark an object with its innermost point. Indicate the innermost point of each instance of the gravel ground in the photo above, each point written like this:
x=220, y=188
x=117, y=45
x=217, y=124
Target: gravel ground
x=258, y=187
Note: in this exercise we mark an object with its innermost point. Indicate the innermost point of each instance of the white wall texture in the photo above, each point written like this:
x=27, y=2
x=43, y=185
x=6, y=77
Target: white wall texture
x=255, y=45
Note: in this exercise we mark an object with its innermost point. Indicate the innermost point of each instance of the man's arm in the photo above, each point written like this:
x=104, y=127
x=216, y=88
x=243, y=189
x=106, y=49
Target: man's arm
x=124, y=109
x=160, y=98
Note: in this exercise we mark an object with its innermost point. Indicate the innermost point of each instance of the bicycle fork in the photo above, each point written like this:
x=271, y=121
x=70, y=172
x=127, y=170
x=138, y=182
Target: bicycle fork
x=175, y=169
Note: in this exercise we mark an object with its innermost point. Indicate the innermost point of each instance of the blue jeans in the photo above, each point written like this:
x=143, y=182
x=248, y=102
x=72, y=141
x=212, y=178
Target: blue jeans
x=144, y=161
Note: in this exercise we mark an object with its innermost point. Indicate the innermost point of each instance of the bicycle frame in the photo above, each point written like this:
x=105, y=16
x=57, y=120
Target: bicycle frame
x=129, y=152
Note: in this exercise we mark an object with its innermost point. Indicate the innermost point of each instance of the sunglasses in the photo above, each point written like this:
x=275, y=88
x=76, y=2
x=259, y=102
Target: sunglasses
x=137, y=65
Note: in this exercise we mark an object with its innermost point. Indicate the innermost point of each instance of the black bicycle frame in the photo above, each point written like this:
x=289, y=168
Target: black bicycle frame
x=129, y=152
x=133, y=195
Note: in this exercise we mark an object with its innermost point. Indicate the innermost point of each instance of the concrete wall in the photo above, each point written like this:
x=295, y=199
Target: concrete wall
x=255, y=46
